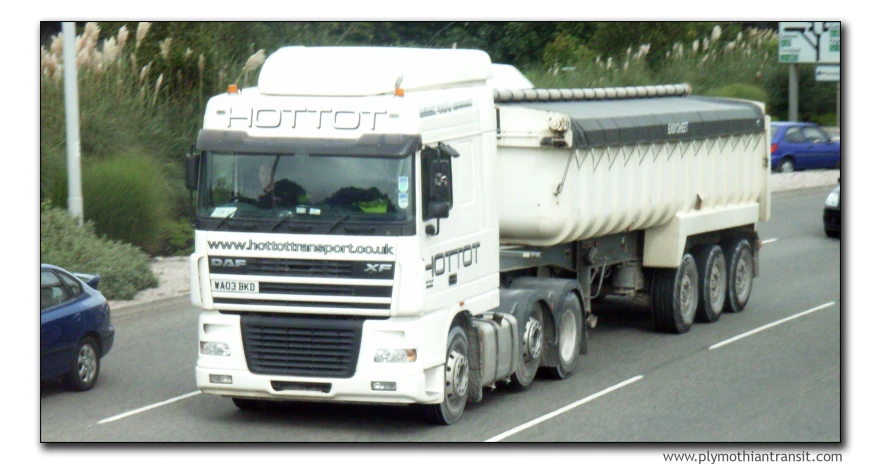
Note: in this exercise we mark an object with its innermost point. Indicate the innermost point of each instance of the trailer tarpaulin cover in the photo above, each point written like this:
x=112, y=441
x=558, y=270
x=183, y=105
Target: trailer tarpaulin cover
x=651, y=120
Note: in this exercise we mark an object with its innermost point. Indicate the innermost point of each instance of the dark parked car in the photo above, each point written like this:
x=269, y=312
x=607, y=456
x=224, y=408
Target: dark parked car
x=832, y=213
x=75, y=328
x=802, y=145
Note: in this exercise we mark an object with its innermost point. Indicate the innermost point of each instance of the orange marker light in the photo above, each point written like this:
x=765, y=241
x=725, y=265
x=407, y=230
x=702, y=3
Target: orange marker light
x=399, y=92
x=232, y=88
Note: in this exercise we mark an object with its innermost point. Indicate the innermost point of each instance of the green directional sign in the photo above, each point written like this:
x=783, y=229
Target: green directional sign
x=809, y=42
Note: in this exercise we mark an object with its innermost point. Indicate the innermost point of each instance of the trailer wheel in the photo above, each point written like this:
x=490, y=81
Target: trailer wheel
x=569, y=333
x=675, y=296
x=456, y=373
x=712, y=273
x=739, y=256
x=532, y=348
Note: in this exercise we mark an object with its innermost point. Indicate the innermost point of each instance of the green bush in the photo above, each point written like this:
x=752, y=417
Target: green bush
x=741, y=91
x=124, y=269
x=127, y=198
x=178, y=238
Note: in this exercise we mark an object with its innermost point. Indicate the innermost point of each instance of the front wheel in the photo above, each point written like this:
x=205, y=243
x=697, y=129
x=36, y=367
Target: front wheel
x=85, y=366
x=456, y=372
x=787, y=165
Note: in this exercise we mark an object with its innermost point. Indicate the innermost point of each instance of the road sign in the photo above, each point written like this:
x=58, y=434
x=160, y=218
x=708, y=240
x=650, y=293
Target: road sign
x=809, y=42
x=828, y=73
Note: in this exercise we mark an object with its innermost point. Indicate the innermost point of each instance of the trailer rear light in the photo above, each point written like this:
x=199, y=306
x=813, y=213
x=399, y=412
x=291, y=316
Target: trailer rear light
x=774, y=148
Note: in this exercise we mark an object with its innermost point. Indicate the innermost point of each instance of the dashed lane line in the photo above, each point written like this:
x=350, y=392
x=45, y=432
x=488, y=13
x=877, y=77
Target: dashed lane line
x=768, y=326
x=550, y=415
x=147, y=408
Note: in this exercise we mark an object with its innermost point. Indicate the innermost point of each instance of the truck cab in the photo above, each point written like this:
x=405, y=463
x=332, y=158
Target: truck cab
x=333, y=247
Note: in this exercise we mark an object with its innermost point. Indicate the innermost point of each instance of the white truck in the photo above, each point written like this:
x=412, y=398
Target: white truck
x=391, y=225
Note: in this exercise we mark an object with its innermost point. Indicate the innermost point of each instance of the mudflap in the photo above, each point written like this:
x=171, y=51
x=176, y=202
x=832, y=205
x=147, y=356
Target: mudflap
x=475, y=367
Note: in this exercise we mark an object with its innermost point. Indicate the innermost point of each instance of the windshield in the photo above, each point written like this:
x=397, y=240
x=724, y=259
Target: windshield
x=306, y=191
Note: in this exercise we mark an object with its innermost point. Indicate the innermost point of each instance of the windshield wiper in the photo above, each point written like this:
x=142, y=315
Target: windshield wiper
x=223, y=221
x=345, y=216
x=282, y=219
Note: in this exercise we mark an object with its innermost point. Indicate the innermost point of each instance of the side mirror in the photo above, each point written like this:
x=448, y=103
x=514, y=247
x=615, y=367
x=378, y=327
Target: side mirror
x=191, y=166
x=438, y=209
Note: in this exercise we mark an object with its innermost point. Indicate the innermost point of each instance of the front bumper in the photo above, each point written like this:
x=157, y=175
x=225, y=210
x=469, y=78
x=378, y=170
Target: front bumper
x=832, y=219
x=409, y=389
x=415, y=382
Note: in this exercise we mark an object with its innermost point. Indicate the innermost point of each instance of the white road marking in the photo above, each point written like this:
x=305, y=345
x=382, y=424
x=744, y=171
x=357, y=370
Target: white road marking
x=549, y=415
x=768, y=326
x=147, y=408
x=770, y=240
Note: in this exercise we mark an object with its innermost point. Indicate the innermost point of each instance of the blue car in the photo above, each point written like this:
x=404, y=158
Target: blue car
x=802, y=145
x=75, y=328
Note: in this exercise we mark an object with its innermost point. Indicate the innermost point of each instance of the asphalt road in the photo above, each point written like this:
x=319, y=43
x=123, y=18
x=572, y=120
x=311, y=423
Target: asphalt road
x=782, y=383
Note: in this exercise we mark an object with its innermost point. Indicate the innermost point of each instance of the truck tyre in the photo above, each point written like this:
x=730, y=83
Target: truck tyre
x=532, y=348
x=250, y=404
x=712, y=273
x=569, y=333
x=674, y=296
x=739, y=256
x=456, y=373
x=84, y=367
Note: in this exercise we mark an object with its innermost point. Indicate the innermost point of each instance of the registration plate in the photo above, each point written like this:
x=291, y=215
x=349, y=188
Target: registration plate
x=239, y=286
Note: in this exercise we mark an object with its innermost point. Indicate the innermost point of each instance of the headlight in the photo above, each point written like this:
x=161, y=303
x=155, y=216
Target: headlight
x=832, y=199
x=394, y=356
x=214, y=348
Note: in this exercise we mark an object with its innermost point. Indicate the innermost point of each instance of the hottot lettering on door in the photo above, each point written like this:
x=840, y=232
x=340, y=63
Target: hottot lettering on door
x=453, y=260
x=270, y=118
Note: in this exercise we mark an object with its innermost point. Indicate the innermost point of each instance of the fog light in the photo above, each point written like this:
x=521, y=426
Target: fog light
x=214, y=348
x=394, y=356
x=225, y=379
x=383, y=386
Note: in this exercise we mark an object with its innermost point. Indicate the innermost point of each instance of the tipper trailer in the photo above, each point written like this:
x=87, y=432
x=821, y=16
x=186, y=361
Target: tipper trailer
x=391, y=225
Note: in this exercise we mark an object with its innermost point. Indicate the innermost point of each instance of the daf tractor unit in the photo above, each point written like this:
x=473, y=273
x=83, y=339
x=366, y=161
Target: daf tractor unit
x=415, y=226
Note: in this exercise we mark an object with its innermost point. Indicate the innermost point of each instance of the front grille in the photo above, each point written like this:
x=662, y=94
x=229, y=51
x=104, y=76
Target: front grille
x=303, y=347
x=326, y=290
x=304, y=304
x=291, y=268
